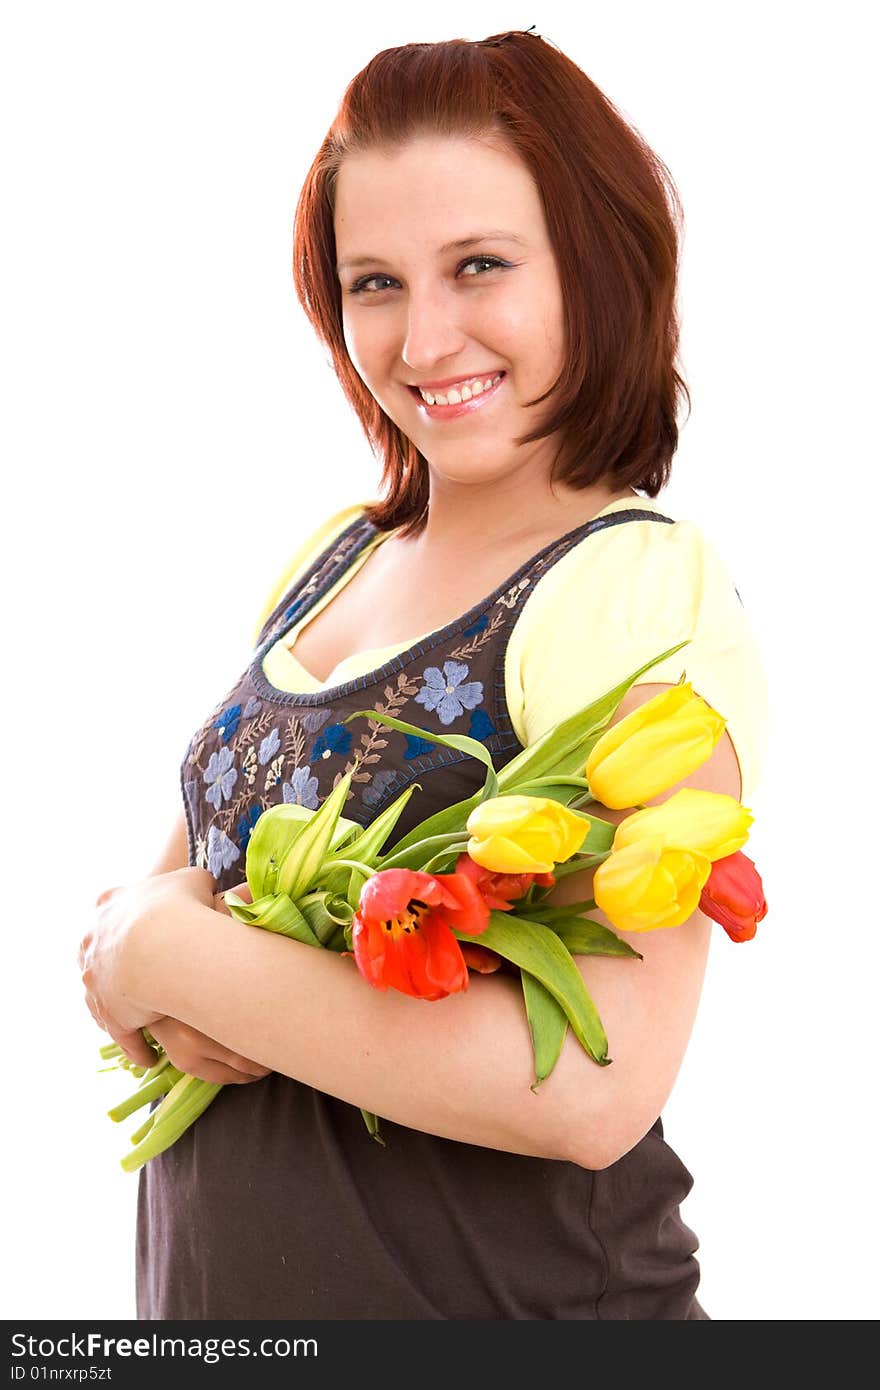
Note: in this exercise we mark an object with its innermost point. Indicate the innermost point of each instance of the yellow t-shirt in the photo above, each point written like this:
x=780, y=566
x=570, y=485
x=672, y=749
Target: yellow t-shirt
x=612, y=602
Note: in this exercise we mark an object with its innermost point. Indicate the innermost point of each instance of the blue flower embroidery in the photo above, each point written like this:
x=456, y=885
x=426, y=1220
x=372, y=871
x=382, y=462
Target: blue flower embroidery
x=415, y=748
x=481, y=726
x=246, y=825
x=227, y=722
x=302, y=789
x=479, y=625
x=269, y=747
x=221, y=851
x=380, y=784
x=221, y=777
x=445, y=692
x=252, y=707
x=335, y=739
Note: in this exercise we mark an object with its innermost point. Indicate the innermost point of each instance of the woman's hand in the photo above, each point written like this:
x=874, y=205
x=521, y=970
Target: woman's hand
x=123, y=921
x=198, y=1055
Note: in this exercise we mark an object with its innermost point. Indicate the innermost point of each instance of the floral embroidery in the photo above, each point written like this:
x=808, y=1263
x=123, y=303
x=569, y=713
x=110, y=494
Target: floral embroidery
x=228, y=722
x=417, y=747
x=249, y=766
x=446, y=692
x=252, y=707
x=381, y=783
x=335, y=739
x=246, y=825
x=221, y=777
x=222, y=852
x=511, y=598
x=481, y=726
x=302, y=789
x=274, y=773
x=269, y=747
x=479, y=626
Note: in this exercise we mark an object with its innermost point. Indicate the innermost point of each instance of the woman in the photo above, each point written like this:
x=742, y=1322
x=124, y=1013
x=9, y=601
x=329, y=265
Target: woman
x=489, y=253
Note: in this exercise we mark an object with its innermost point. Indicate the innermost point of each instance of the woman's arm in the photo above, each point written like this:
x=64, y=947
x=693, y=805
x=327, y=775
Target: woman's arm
x=461, y=1067
x=189, y=1049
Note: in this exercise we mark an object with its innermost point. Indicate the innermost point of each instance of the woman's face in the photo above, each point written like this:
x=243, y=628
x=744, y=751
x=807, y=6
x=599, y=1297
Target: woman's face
x=447, y=274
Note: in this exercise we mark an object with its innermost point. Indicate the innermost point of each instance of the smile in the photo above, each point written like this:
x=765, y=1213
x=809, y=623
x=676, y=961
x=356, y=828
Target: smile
x=471, y=393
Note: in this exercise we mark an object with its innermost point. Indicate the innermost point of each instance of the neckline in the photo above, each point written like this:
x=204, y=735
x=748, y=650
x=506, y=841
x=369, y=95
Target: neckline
x=327, y=694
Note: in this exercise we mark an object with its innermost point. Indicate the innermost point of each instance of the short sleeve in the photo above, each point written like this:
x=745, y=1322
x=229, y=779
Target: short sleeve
x=304, y=557
x=614, y=601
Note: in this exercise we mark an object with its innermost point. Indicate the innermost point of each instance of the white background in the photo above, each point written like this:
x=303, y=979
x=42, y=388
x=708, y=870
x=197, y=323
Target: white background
x=171, y=431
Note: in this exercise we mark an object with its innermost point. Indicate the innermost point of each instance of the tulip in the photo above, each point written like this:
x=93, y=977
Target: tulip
x=651, y=749
x=524, y=834
x=480, y=958
x=709, y=823
x=500, y=891
x=648, y=885
x=402, y=932
x=734, y=896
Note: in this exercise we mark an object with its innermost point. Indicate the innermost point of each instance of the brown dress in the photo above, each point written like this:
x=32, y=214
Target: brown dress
x=277, y=1203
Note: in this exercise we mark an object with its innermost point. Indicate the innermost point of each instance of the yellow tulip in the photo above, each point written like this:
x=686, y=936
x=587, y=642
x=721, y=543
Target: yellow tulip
x=708, y=823
x=524, y=834
x=647, y=885
x=651, y=749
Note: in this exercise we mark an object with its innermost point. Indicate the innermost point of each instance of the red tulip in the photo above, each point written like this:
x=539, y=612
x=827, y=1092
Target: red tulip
x=500, y=891
x=734, y=896
x=480, y=958
x=402, y=931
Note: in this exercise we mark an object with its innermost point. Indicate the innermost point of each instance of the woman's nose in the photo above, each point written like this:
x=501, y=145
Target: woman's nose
x=433, y=330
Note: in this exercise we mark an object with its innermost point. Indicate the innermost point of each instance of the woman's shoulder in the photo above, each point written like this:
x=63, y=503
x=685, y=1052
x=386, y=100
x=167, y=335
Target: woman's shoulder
x=619, y=597
x=314, y=543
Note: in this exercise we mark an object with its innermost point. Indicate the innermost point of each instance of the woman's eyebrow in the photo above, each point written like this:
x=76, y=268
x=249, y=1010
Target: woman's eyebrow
x=461, y=245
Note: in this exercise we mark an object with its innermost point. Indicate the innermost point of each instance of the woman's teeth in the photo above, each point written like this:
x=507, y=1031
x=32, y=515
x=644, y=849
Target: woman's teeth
x=454, y=395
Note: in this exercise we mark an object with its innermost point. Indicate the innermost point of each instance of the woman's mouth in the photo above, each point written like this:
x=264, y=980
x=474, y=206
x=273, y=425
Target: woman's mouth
x=471, y=393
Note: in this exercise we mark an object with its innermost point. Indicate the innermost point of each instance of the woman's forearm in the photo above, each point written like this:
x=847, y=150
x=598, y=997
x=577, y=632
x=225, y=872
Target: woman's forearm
x=459, y=1067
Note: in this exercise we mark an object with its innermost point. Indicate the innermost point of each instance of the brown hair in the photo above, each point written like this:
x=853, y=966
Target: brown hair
x=613, y=217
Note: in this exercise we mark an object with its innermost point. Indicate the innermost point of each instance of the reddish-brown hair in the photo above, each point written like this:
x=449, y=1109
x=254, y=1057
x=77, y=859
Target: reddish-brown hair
x=613, y=216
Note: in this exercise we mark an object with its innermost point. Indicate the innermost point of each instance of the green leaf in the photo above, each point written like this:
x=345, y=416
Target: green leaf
x=366, y=845
x=276, y=913
x=322, y=922
x=302, y=864
x=548, y=1025
x=584, y=937
x=548, y=913
x=538, y=950
x=472, y=746
x=276, y=832
x=566, y=747
x=414, y=855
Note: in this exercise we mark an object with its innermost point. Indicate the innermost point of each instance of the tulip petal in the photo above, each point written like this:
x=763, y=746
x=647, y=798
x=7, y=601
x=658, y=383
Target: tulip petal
x=709, y=823
x=655, y=746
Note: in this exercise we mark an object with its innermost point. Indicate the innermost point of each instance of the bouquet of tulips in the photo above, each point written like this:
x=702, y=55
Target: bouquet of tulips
x=468, y=888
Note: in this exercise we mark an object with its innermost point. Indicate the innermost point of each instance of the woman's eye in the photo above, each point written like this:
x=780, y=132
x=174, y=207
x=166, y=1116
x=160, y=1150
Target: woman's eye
x=363, y=286
x=490, y=261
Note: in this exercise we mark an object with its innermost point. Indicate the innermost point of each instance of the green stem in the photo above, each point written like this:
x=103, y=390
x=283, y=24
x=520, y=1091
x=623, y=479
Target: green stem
x=193, y=1102
x=350, y=864
x=560, y=781
x=372, y=1123
x=142, y=1096
x=432, y=842
x=145, y=1128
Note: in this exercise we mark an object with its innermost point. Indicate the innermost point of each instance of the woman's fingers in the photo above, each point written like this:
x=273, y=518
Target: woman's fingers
x=198, y=1055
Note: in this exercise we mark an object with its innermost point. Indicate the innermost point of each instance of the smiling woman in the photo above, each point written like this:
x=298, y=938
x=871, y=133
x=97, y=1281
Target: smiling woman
x=516, y=376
